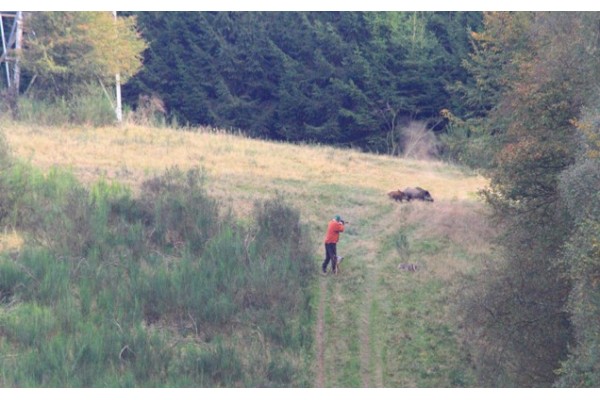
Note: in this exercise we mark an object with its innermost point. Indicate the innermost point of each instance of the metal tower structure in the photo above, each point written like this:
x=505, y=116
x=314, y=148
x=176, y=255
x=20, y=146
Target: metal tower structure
x=11, y=45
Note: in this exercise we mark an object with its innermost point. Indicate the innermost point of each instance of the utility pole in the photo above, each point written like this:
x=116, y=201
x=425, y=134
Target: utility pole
x=118, y=108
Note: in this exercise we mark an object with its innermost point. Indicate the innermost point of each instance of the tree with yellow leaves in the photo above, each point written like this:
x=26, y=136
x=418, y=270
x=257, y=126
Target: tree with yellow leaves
x=64, y=50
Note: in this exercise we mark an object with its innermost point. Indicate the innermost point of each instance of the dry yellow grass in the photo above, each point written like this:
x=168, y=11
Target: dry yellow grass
x=9, y=241
x=318, y=180
x=131, y=154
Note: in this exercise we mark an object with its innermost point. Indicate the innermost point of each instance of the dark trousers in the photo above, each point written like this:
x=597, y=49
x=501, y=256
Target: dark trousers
x=330, y=254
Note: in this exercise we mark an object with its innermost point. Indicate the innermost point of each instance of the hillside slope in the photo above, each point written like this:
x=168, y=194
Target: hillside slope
x=375, y=325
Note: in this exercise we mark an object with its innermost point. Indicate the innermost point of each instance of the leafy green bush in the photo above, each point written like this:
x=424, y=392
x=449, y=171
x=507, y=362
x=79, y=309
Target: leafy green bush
x=179, y=212
x=473, y=149
x=581, y=256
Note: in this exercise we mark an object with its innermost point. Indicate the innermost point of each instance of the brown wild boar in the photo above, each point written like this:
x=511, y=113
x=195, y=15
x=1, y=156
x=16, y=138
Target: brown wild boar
x=417, y=193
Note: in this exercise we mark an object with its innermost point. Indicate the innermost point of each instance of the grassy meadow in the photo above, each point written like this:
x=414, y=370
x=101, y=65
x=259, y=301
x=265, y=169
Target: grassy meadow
x=373, y=325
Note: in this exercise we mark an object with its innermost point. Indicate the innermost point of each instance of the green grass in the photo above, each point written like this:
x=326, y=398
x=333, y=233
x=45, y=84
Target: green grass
x=111, y=290
x=188, y=313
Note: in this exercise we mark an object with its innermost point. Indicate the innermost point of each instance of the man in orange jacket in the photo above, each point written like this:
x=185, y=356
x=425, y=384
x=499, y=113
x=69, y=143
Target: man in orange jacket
x=336, y=225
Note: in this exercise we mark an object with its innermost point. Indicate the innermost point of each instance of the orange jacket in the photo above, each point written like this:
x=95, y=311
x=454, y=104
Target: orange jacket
x=333, y=231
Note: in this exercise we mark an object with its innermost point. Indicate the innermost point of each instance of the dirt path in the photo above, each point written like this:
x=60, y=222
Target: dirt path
x=354, y=299
x=370, y=252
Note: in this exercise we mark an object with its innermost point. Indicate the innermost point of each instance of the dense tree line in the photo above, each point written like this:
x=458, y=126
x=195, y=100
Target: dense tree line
x=532, y=319
x=345, y=78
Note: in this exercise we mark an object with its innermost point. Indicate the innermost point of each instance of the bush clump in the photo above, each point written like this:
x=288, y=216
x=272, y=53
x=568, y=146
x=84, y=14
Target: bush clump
x=160, y=289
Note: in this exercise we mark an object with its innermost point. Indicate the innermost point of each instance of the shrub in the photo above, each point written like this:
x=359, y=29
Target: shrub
x=578, y=189
x=150, y=111
x=462, y=146
x=182, y=214
x=88, y=105
x=280, y=233
x=107, y=285
x=44, y=112
x=11, y=276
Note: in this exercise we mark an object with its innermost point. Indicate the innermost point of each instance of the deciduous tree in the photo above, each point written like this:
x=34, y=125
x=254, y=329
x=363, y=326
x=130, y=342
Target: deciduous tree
x=550, y=64
x=64, y=50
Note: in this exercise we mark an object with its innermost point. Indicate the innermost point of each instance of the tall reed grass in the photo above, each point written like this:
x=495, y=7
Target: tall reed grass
x=165, y=288
x=88, y=106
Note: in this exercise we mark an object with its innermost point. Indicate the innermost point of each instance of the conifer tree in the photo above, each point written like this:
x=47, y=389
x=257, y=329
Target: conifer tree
x=331, y=77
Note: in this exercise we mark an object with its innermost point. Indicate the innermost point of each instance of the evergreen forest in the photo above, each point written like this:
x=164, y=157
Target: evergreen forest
x=343, y=78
